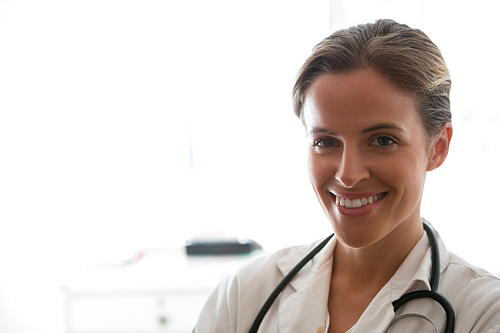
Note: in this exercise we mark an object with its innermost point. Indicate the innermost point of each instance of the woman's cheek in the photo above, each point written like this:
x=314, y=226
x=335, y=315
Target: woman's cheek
x=320, y=170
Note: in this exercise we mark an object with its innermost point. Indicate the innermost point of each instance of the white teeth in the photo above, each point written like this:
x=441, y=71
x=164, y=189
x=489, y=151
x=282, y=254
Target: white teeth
x=356, y=203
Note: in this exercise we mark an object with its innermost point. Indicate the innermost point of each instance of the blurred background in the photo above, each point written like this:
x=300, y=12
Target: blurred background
x=128, y=127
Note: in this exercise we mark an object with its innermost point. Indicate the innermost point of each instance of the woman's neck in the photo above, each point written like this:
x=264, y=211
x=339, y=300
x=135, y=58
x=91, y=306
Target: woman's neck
x=374, y=265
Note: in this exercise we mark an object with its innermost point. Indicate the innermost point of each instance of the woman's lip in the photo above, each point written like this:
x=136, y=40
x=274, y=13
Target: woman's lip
x=352, y=196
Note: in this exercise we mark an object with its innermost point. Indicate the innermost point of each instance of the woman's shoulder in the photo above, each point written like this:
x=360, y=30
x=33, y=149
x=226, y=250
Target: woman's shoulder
x=469, y=274
x=474, y=292
x=270, y=268
x=270, y=262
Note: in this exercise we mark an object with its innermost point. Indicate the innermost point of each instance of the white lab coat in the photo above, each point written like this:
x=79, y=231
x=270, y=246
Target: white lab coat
x=303, y=304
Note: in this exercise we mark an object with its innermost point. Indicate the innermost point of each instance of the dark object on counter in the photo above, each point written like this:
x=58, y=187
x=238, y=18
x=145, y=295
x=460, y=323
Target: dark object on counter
x=221, y=247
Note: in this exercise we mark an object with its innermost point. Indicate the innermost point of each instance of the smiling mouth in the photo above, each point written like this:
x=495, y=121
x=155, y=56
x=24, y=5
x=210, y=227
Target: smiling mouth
x=357, y=203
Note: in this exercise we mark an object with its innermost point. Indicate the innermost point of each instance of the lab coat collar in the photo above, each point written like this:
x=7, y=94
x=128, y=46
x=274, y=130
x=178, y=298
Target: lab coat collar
x=311, y=288
x=288, y=262
x=408, y=278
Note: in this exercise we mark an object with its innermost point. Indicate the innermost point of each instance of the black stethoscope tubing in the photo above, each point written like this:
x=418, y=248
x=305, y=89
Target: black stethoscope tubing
x=433, y=293
x=434, y=282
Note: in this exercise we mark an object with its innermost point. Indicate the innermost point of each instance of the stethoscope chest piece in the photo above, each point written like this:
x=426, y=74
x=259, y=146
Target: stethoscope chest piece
x=410, y=315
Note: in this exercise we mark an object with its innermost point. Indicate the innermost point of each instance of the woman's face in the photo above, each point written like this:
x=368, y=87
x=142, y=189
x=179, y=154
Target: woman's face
x=368, y=155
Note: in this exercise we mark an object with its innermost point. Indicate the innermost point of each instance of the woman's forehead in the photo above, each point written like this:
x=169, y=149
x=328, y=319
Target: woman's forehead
x=363, y=95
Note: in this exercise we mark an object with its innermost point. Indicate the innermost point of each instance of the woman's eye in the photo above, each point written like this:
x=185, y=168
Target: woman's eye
x=383, y=141
x=325, y=143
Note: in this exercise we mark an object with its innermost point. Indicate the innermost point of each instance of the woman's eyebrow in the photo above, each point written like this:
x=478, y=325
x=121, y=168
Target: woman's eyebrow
x=381, y=126
x=317, y=130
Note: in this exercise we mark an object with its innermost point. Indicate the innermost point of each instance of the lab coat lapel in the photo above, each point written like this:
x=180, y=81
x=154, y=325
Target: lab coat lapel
x=304, y=304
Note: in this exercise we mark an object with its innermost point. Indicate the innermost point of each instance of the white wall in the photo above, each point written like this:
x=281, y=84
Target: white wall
x=464, y=196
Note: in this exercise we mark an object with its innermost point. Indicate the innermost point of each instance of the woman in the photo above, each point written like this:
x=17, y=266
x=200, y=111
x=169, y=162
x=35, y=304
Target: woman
x=374, y=100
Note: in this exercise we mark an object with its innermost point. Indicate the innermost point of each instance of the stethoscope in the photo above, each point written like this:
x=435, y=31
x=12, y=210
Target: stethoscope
x=433, y=293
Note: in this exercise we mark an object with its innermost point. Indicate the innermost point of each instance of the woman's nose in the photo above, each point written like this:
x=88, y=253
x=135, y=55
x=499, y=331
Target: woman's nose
x=352, y=169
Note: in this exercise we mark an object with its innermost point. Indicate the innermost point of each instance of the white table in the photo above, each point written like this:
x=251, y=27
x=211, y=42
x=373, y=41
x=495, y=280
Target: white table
x=162, y=292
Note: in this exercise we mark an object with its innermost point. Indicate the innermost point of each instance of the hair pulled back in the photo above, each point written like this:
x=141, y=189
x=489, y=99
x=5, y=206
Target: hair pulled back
x=405, y=56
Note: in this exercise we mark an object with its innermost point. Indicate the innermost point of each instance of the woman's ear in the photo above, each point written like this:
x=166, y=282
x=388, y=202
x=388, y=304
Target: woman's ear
x=439, y=148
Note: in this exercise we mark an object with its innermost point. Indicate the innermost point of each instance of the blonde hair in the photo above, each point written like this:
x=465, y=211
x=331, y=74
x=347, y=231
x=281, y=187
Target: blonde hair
x=404, y=55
